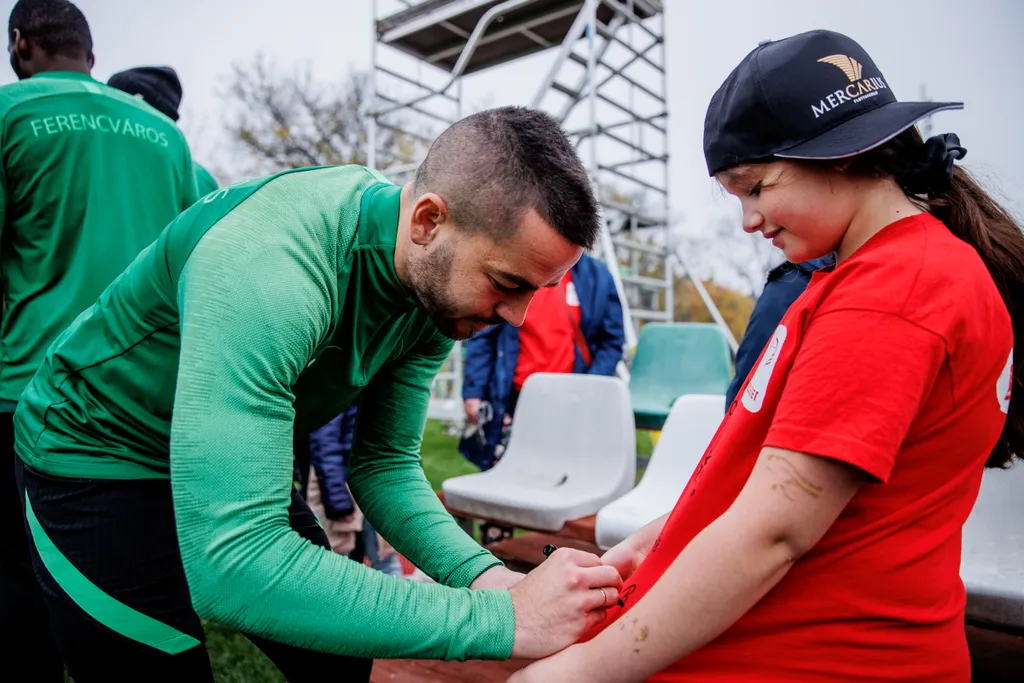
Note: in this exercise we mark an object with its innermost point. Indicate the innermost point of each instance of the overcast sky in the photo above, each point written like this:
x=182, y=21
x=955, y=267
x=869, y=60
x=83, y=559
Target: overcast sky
x=961, y=50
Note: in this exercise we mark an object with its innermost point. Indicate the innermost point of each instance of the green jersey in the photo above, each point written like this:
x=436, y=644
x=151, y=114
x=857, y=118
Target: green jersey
x=205, y=181
x=272, y=303
x=89, y=177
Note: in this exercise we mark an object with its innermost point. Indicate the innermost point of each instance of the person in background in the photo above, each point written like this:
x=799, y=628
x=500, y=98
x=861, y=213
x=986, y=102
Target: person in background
x=785, y=283
x=160, y=88
x=819, y=539
x=327, y=488
x=90, y=176
x=575, y=327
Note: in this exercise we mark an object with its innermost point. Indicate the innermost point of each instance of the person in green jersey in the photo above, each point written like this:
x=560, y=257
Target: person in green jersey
x=160, y=88
x=157, y=437
x=88, y=177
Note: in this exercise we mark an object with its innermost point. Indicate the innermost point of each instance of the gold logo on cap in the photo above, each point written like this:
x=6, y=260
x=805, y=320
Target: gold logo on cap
x=848, y=65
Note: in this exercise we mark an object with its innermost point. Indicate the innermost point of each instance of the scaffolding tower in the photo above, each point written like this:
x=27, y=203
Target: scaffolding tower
x=606, y=85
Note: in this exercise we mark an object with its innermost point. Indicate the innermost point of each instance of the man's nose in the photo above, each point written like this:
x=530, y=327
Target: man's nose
x=513, y=310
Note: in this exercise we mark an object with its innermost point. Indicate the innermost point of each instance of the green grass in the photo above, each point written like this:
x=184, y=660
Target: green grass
x=236, y=660
x=441, y=457
x=644, y=446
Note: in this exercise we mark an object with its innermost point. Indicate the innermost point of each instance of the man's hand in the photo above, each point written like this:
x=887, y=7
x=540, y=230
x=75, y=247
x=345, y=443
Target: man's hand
x=559, y=600
x=497, y=577
x=472, y=408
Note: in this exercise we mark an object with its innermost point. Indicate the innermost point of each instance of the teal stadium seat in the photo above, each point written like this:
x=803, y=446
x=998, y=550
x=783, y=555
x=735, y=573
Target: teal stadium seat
x=673, y=359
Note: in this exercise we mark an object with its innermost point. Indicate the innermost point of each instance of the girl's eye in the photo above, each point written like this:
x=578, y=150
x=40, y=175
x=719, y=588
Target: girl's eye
x=755, y=191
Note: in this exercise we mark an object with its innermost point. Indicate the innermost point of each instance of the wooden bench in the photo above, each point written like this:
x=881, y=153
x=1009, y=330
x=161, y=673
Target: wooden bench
x=523, y=553
x=581, y=529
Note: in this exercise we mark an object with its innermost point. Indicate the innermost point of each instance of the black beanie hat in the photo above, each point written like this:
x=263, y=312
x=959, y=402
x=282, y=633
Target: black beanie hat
x=158, y=85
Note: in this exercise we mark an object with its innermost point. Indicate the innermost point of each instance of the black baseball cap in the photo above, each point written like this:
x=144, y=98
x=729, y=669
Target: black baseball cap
x=815, y=95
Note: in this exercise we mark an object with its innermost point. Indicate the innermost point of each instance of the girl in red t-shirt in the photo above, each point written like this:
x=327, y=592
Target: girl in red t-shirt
x=819, y=538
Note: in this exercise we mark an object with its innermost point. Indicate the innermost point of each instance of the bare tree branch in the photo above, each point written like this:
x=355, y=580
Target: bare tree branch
x=279, y=121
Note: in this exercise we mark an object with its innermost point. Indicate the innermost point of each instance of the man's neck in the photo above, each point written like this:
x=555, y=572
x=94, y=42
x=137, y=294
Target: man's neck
x=402, y=237
x=59, y=63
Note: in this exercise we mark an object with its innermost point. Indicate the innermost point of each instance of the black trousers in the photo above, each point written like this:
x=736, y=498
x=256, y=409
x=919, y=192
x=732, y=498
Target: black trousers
x=23, y=620
x=120, y=537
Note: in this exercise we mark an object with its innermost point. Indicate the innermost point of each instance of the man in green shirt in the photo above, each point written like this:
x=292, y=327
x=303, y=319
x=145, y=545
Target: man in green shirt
x=88, y=177
x=157, y=437
x=160, y=88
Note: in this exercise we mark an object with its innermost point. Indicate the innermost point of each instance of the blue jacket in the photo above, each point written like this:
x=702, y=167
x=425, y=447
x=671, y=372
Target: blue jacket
x=491, y=356
x=785, y=285
x=329, y=448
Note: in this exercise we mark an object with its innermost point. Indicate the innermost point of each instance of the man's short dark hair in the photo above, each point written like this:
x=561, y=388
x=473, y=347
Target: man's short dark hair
x=493, y=166
x=56, y=26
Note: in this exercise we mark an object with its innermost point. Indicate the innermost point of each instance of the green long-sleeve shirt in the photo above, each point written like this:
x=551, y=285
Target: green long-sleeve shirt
x=271, y=303
x=89, y=176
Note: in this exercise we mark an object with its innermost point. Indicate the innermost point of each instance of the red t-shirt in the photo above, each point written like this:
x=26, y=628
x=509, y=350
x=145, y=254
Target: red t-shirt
x=898, y=362
x=547, y=341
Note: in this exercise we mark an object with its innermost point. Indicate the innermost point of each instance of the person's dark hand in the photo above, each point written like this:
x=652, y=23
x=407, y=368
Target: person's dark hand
x=472, y=408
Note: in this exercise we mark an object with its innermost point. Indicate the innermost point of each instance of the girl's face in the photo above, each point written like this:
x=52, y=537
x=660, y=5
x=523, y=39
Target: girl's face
x=805, y=211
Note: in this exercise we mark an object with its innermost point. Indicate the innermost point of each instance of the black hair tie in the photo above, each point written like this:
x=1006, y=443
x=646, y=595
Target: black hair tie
x=932, y=173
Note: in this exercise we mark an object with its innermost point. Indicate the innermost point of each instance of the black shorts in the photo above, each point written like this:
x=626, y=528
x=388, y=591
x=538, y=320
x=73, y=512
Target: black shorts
x=105, y=553
x=23, y=622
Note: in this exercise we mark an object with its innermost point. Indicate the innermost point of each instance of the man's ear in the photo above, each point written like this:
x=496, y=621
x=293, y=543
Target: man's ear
x=18, y=44
x=429, y=212
x=22, y=46
x=91, y=59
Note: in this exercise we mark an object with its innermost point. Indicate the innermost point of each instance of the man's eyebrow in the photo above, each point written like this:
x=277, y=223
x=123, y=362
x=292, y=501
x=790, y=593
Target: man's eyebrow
x=518, y=281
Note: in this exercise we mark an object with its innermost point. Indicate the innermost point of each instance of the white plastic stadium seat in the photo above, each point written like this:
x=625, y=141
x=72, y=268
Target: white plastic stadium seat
x=992, y=565
x=691, y=424
x=572, y=449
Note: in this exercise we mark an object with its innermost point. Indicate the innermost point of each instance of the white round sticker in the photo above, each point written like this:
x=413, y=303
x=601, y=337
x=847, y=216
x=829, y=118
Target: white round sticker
x=571, y=297
x=1003, y=384
x=753, y=397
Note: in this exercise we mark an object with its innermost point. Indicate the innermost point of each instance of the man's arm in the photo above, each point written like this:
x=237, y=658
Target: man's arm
x=3, y=200
x=610, y=337
x=245, y=338
x=386, y=475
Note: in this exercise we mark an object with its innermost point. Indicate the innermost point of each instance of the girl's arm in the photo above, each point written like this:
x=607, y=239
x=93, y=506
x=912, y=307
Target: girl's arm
x=787, y=505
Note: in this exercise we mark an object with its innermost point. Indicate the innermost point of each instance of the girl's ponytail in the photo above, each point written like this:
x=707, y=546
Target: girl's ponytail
x=927, y=174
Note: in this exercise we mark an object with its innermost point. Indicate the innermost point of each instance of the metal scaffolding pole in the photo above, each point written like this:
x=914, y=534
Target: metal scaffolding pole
x=610, y=59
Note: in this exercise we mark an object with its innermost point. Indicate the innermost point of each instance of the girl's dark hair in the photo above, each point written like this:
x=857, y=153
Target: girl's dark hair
x=973, y=216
